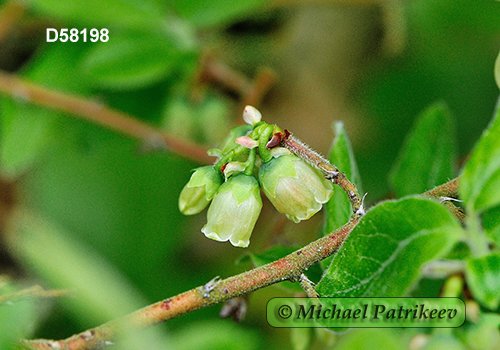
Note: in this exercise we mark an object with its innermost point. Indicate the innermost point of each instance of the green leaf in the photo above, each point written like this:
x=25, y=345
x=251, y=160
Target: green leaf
x=117, y=13
x=483, y=279
x=338, y=208
x=428, y=156
x=480, y=182
x=383, y=254
x=491, y=223
x=131, y=60
x=202, y=13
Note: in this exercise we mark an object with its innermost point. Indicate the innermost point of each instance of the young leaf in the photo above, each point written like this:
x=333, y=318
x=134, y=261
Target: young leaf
x=131, y=60
x=483, y=278
x=428, y=156
x=480, y=182
x=338, y=208
x=383, y=254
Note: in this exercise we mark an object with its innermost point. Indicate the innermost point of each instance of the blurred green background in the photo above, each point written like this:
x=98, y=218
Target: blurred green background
x=87, y=209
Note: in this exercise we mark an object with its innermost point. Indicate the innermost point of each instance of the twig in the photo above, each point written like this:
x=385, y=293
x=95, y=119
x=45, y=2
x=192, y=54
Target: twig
x=446, y=193
x=33, y=292
x=262, y=83
x=290, y=268
x=329, y=171
x=308, y=286
x=100, y=114
x=448, y=189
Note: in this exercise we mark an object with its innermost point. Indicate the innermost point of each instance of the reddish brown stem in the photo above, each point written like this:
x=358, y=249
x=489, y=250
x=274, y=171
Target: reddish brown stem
x=290, y=268
x=100, y=114
x=329, y=171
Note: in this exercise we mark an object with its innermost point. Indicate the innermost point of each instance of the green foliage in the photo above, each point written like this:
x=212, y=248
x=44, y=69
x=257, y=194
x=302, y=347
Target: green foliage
x=374, y=259
x=131, y=60
x=483, y=278
x=428, y=157
x=480, y=184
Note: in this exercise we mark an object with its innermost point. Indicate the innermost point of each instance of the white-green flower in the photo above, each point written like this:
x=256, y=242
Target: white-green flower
x=200, y=190
x=234, y=211
x=295, y=188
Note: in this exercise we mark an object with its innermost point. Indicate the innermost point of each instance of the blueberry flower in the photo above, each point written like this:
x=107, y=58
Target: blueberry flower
x=295, y=188
x=234, y=211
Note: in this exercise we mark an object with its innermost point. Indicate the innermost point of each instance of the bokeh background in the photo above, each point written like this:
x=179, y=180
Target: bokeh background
x=87, y=209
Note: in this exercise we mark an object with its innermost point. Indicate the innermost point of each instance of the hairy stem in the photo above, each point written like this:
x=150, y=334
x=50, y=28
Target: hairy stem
x=329, y=171
x=447, y=190
x=216, y=291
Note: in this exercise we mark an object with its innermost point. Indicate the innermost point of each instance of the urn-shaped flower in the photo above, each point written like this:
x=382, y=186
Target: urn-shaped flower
x=234, y=211
x=295, y=188
x=200, y=190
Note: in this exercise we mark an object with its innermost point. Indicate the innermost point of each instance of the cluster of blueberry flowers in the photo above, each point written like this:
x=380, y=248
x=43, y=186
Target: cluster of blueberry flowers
x=251, y=159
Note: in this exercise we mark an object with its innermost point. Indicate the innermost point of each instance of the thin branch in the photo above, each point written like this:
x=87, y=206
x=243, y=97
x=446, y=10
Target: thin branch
x=216, y=291
x=102, y=115
x=329, y=171
x=33, y=292
x=448, y=189
x=447, y=193
x=308, y=286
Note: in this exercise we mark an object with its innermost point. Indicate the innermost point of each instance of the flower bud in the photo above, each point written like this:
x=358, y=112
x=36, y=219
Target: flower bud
x=234, y=211
x=295, y=188
x=251, y=115
x=228, y=143
x=200, y=190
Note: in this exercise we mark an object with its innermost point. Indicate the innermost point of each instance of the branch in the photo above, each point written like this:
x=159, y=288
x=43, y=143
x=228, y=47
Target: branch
x=446, y=190
x=447, y=193
x=329, y=171
x=100, y=114
x=290, y=268
x=33, y=292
